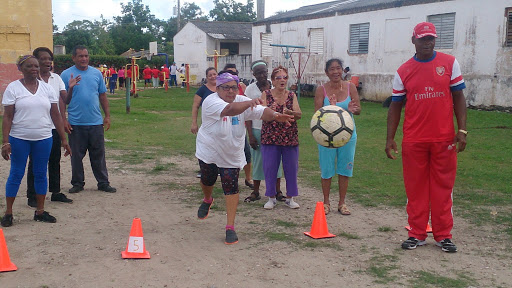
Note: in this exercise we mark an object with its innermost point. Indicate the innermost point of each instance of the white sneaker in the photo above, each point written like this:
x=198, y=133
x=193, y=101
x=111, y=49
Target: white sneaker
x=271, y=203
x=292, y=204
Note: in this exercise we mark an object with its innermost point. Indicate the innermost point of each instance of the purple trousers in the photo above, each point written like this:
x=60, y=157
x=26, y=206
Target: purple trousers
x=271, y=156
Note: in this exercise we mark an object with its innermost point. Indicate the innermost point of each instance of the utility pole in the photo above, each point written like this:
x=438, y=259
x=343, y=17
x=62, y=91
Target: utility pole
x=178, y=18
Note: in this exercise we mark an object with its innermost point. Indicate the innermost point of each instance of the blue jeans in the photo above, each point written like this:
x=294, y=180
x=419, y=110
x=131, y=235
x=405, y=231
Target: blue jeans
x=39, y=151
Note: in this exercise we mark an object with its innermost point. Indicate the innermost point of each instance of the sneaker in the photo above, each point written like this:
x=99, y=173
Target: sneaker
x=75, y=189
x=32, y=202
x=59, y=197
x=271, y=203
x=198, y=175
x=7, y=220
x=231, y=237
x=412, y=243
x=44, y=217
x=204, y=210
x=292, y=204
x=108, y=189
x=447, y=246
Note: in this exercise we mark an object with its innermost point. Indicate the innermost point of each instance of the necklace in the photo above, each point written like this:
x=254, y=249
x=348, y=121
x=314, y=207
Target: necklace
x=30, y=90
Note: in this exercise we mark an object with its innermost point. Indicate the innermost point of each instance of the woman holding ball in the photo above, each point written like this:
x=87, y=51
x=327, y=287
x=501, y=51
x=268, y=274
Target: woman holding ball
x=337, y=160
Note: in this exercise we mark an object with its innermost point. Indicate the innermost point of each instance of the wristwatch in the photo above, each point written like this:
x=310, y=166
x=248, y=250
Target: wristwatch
x=463, y=132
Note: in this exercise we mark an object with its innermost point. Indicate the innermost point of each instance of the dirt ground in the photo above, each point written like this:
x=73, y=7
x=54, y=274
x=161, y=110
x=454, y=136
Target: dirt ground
x=83, y=249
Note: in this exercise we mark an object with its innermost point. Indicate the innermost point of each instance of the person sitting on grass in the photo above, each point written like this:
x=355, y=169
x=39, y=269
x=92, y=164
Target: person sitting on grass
x=220, y=143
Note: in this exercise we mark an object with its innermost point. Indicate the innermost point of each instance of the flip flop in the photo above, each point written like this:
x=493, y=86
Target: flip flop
x=249, y=184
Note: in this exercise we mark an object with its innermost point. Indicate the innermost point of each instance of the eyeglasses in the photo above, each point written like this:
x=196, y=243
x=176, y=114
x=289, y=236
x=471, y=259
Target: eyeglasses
x=281, y=77
x=227, y=88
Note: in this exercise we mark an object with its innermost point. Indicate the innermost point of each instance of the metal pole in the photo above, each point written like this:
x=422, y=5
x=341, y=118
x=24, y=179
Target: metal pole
x=128, y=84
x=178, y=18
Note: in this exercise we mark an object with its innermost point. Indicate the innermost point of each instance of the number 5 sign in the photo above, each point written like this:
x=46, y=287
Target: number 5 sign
x=136, y=247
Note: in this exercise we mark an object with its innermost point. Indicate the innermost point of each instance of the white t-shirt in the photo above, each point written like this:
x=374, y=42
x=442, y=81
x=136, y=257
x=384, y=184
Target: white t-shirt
x=32, y=120
x=221, y=140
x=58, y=85
x=252, y=91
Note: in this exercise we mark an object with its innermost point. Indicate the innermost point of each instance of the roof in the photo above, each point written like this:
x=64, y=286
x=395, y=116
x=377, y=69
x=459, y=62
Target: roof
x=225, y=30
x=339, y=7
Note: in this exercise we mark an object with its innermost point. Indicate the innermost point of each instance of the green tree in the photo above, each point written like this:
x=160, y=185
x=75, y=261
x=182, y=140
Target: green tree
x=230, y=10
x=190, y=11
x=134, y=28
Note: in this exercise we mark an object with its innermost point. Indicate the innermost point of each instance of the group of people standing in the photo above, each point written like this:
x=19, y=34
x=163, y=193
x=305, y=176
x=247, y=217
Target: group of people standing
x=35, y=124
x=431, y=82
x=228, y=114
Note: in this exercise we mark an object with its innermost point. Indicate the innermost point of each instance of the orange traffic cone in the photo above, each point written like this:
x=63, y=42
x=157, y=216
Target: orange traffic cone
x=429, y=229
x=136, y=248
x=5, y=261
x=319, y=227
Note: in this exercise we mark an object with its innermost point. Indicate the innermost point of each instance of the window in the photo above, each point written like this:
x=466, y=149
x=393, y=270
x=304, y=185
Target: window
x=266, y=40
x=230, y=47
x=508, y=37
x=359, y=38
x=316, y=40
x=445, y=27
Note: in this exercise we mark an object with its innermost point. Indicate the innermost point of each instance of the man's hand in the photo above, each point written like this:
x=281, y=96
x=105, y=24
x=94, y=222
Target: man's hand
x=106, y=123
x=460, y=141
x=391, y=146
x=67, y=148
x=74, y=81
x=67, y=126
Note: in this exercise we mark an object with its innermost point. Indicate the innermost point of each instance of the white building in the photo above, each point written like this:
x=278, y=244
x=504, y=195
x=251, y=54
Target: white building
x=373, y=37
x=198, y=40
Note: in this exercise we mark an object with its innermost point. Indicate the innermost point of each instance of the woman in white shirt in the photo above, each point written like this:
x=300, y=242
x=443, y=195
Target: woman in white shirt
x=220, y=143
x=30, y=107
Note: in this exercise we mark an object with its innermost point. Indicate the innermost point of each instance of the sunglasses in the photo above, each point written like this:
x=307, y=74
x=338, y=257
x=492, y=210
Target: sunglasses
x=227, y=88
x=281, y=77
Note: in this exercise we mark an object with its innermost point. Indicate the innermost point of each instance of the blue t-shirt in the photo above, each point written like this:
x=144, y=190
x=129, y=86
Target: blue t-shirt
x=203, y=92
x=84, y=108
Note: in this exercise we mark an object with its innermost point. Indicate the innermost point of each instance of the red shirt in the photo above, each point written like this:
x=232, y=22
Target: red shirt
x=155, y=73
x=147, y=73
x=166, y=72
x=128, y=73
x=428, y=87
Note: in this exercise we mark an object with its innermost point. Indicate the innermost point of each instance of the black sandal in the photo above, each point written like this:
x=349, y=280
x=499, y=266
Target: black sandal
x=280, y=196
x=253, y=197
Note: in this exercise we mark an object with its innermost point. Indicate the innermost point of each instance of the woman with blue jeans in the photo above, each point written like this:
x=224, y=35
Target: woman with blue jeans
x=30, y=107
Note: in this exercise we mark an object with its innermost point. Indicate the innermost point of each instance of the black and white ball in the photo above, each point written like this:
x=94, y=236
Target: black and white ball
x=332, y=126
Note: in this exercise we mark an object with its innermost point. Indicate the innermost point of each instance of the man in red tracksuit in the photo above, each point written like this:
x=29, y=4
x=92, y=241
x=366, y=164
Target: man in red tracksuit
x=432, y=83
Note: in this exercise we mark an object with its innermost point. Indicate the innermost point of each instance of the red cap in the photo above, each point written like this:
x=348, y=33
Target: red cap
x=424, y=29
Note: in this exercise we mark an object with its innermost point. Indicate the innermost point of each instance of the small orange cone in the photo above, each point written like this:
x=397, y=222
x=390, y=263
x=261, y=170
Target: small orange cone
x=429, y=229
x=319, y=227
x=136, y=248
x=5, y=261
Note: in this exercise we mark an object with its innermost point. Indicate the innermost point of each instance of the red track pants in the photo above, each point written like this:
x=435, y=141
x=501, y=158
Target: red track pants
x=429, y=175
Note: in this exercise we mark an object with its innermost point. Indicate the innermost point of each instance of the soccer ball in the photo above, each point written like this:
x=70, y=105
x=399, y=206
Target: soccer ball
x=332, y=126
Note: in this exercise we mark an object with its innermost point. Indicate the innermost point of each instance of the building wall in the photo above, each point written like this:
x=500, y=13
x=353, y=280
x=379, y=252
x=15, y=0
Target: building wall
x=190, y=46
x=24, y=26
x=480, y=31
x=195, y=47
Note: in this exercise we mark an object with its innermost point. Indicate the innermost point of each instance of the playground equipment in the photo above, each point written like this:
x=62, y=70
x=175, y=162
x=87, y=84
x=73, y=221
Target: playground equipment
x=288, y=56
x=215, y=56
x=132, y=81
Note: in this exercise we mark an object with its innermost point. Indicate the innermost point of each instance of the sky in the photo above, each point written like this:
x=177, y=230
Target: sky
x=65, y=11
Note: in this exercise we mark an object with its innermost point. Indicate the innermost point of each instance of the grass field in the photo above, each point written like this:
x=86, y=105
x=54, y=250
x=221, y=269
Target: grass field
x=159, y=124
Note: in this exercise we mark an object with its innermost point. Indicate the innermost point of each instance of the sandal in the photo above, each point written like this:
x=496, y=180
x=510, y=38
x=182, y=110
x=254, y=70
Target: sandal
x=280, y=196
x=253, y=197
x=327, y=208
x=249, y=184
x=343, y=209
